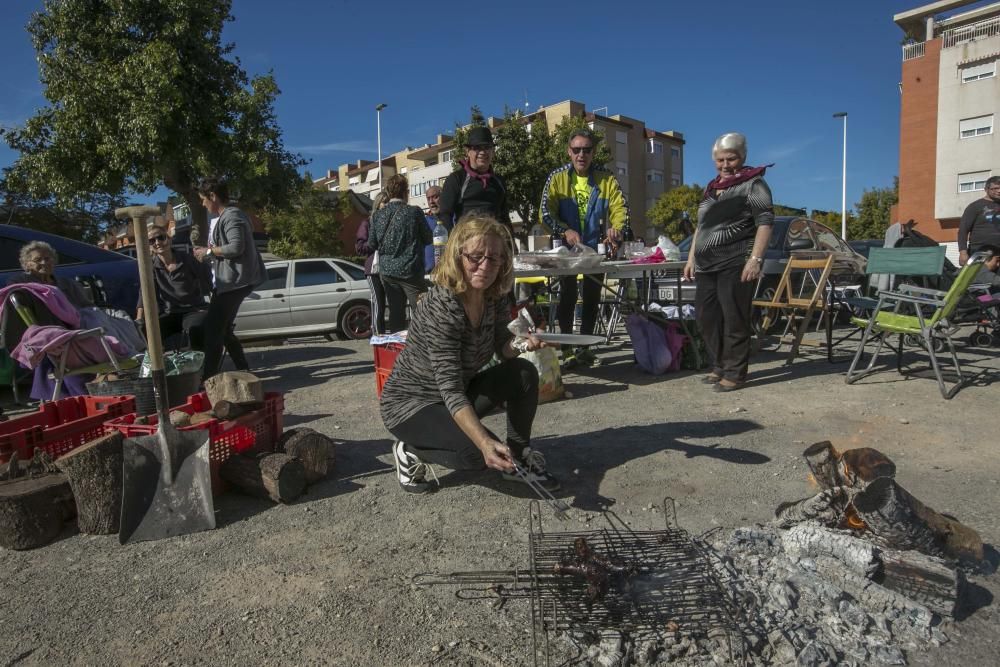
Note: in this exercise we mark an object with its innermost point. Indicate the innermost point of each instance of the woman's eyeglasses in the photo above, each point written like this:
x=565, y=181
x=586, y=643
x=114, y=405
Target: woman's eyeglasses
x=481, y=148
x=586, y=150
x=476, y=260
x=157, y=239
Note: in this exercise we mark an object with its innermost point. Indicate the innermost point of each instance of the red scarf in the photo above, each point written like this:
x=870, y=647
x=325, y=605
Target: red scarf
x=744, y=175
x=483, y=178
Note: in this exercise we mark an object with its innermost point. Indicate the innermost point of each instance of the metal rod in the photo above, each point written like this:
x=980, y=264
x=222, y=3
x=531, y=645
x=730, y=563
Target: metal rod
x=560, y=508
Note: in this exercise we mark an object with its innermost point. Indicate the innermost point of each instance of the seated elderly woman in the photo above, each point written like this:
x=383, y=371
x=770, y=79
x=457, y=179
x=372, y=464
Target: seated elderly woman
x=437, y=392
x=38, y=261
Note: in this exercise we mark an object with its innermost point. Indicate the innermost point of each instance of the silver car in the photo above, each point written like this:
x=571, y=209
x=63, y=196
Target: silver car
x=308, y=297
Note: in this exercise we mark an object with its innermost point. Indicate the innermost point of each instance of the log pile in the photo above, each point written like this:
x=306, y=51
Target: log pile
x=304, y=457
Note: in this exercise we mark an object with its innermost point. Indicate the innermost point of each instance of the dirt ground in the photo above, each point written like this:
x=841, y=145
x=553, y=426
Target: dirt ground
x=328, y=579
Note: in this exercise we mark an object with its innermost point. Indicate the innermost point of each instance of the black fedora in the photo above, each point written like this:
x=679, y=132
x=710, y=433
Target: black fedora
x=478, y=136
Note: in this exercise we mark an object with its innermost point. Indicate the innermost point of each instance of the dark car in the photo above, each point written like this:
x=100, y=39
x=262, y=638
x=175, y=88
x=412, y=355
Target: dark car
x=112, y=278
x=802, y=236
x=862, y=246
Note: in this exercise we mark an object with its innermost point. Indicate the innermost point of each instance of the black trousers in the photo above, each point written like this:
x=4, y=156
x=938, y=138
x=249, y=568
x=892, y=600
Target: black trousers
x=567, y=303
x=723, y=304
x=400, y=292
x=378, y=303
x=192, y=325
x=218, y=329
x=433, y=436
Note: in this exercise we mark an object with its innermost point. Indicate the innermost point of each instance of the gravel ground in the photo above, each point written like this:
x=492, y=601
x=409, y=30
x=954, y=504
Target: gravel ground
x=327, y=580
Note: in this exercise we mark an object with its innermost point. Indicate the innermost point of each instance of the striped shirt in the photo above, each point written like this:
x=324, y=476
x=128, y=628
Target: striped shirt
x=444, y=351
x=728, y=222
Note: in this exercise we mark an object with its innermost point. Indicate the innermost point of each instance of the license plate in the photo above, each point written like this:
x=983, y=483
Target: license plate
x=666, y=293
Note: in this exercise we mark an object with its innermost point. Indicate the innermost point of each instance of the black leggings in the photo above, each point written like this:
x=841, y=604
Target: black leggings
x=401, y=292
x=567, y=304
x=378, y=303
x=218, y=327
x=433, y=435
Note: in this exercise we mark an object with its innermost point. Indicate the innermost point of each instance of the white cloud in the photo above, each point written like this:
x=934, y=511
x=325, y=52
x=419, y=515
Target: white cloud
x=353, y=146
x=773, y=154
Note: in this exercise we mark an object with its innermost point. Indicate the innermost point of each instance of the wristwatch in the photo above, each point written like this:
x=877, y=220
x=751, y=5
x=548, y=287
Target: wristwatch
x=759, y=260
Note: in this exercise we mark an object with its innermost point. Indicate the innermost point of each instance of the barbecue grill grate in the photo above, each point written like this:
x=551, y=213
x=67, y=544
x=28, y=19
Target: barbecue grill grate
x=673, y=594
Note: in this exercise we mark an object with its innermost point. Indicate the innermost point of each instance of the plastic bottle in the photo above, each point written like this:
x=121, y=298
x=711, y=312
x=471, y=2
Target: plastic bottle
x=440, y=240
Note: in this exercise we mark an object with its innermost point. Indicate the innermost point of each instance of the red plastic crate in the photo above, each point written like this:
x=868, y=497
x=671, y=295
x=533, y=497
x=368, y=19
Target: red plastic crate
x=385, y=357
x=61, y=426
x=258, y=431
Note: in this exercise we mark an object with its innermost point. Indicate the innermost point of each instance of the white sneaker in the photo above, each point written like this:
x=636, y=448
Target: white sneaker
x=532, y=462
x=411, y=472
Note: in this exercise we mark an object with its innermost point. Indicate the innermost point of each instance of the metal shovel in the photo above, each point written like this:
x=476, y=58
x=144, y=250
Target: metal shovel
x=166, y=485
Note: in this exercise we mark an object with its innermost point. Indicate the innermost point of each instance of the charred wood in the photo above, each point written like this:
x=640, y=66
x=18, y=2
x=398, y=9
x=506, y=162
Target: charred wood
x=826, y=507
x=923, y=579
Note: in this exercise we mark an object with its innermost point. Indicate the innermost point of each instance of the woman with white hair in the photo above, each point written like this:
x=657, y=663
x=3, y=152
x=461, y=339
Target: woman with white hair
x=38, y=261
x=734, y=225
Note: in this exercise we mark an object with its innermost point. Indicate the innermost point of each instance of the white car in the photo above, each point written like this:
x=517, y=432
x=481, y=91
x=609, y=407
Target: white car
x=308, y=297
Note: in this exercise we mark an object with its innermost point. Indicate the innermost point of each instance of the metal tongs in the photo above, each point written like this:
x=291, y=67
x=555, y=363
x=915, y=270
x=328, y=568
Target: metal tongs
x=558, y=507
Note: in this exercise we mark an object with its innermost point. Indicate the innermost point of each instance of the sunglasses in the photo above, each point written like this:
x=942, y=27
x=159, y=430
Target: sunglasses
x=476, y=260
x=479, y=148
x=586, y=150
x=157, y=239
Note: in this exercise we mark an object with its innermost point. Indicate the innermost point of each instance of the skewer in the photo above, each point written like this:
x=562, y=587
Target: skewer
x=558, y=507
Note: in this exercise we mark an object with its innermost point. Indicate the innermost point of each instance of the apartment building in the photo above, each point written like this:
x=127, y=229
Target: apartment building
x=950, y=100
x=647, y=162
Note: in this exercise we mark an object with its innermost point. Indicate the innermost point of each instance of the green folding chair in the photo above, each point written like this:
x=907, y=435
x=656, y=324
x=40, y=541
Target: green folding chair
x=928, y=322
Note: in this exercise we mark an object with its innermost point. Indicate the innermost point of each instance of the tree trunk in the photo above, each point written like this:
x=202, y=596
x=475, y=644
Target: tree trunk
x=33, y=509
x=315, y=450
x=279, y=477
x=923, y=579
x=95, y=475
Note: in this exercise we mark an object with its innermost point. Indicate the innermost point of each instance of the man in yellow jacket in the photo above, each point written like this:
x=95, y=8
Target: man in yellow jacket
x=583, y=203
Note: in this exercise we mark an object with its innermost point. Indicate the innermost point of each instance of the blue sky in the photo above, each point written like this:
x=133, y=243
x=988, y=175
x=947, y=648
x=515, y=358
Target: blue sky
x=774, y=70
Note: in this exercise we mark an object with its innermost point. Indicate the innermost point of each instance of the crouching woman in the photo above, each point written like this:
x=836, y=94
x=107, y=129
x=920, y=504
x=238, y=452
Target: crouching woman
x=437, y=392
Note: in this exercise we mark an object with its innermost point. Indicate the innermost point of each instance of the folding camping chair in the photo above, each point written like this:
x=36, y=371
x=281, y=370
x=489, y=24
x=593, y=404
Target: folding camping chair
x=799, y=304
x=24, y=305
x=932, y=308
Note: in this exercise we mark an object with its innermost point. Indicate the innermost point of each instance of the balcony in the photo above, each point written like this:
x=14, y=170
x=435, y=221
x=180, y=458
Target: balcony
x=967, y=33
x=914, y=50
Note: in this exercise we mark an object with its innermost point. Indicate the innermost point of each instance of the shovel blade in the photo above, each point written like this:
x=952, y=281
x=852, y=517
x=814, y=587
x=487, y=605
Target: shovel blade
x=154, y=508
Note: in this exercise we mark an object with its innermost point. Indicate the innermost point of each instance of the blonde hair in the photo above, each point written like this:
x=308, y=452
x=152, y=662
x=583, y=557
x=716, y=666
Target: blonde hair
x=448, y=272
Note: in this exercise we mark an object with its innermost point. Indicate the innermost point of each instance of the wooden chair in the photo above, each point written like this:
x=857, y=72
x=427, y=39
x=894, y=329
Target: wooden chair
x=800, y=294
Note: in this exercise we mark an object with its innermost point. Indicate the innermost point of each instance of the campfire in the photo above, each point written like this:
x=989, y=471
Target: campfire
x=860, y=572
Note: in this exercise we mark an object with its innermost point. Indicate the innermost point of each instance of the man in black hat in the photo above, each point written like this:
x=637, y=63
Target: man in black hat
x=474, y=187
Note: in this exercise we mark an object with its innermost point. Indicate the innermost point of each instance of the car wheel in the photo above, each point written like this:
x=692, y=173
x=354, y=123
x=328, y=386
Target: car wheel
x=757, y=316
x=355, y=321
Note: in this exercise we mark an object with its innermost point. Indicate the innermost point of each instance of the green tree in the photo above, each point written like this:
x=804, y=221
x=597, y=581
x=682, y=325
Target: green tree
x=523, y=161
x=85, y=221
x=560, y=142
x=142, y=93
x=668, y=211
x=781, y=209
x=310, y=225
x=873, y=213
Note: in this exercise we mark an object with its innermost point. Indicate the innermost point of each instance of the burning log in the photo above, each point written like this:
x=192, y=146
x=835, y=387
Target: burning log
x=923, y=579
x=95, y=475
x=596, y=570
x=279, y=477
x=32, y=510
x=822, y=459
x=855, y=467
x=826, y=507
x=902, y=522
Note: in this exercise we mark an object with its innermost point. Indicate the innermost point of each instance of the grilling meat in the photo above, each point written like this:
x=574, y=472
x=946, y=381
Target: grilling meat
x=595, y=569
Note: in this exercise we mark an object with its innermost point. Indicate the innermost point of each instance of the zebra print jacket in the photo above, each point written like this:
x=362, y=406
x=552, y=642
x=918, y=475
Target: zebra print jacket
x=444, y=351
x=728, y=222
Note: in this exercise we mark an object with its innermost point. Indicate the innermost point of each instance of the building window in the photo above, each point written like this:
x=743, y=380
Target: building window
x=975, y=127
x=621, y=169
x=675, y=181
x=654, y=176
x=675, y=152
x=980, y=71
x=354, y=180
x=654, y=147
x=446, y=156
x=403, y=171
x=621, y=137
x=972, y=181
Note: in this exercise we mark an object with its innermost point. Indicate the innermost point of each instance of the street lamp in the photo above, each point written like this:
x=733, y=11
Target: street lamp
x=378, y=124
x=843, y=180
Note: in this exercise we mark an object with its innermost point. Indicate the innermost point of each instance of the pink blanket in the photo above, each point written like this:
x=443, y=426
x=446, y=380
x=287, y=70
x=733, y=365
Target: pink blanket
x=38, y=342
